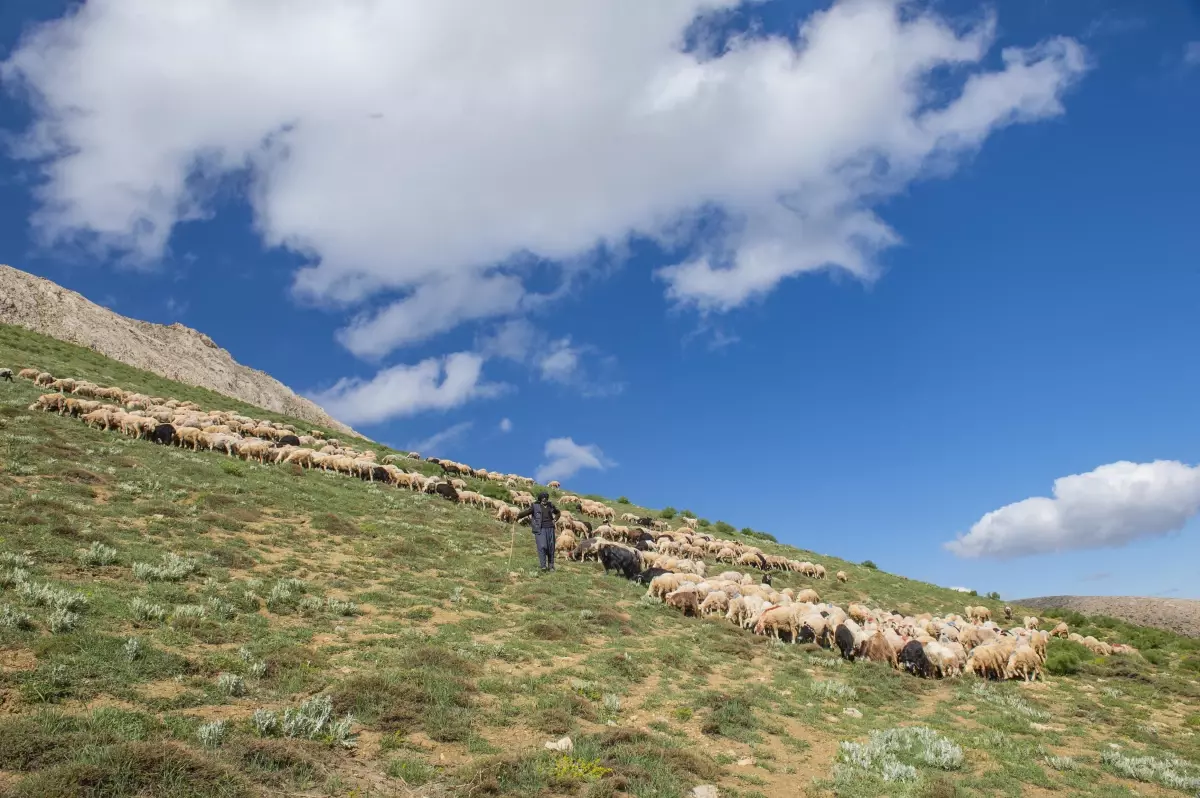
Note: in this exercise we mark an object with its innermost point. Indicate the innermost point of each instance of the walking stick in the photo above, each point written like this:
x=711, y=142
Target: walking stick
x=511, y=542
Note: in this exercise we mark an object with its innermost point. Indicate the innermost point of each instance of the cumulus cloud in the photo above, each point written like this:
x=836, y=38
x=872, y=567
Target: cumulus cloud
x=506, y=425
x=561, y=363
x=441, y=441
x=565, y=458
x=423, y=148
x=1110, y=506
x=437, y=383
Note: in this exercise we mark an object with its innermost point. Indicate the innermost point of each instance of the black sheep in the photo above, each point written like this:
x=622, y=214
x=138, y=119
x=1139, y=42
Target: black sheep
x=446, y=491
x=288, y=440
x=844, y=639
x=379, y=474
x=912, y=659
x=615, y=558
x=647, y=521
x=589, y=526
x=645, y=576
x=164, y=434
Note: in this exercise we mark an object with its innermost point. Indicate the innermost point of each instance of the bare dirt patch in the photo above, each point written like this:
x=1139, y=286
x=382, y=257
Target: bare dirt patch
x=1181, y=616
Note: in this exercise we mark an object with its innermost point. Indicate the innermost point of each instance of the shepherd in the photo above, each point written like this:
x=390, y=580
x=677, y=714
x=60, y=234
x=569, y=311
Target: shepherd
x=542, y=515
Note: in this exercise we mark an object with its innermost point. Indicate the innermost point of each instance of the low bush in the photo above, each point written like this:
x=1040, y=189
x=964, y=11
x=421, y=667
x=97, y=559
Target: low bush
x=1066, y=657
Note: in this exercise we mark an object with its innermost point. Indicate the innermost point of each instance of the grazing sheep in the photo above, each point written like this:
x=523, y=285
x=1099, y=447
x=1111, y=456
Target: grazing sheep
x=912, y=658
x=1061, y=630
x=28, y=374
x=685, y=599
x=1008, y=612
x=554, y=483
x=507, y=514
x=841, y=577
x=1025, y=663
x=808, y=595
x=988, y=661
x=44, y=378
x=715, y=603
x=876, y=649
x=1031, y=622
x=622, y=559
x=846, y=642
x=164, y=434
x=776, y=621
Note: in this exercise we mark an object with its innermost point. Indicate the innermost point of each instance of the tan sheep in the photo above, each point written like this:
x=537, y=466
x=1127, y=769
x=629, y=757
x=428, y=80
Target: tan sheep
x=1025, y=663
x=685, y=599
x=715, y=603
x=28, y=374
x=44, y=378
x=554, y=483
x=808, y=595
x=1061, y=630
x=841, y=577
x=876, y=649
x=1031, y=622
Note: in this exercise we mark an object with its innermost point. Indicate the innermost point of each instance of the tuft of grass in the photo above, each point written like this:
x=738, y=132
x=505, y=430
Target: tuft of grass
x=895, y=754
x=172, y=568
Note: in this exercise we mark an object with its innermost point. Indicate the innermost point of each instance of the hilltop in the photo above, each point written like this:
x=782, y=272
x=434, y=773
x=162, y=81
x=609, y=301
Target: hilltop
x=1176, y=615
x=176, y=623
x=173, y=351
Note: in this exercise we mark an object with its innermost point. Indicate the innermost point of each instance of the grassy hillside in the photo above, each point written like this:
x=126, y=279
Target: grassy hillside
x=193, y=625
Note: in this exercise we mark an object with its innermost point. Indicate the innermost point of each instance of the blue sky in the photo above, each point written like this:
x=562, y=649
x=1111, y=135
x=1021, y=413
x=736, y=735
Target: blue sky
x=857, y=286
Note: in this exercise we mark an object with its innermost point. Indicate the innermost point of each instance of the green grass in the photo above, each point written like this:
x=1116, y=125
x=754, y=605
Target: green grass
x=455, y=672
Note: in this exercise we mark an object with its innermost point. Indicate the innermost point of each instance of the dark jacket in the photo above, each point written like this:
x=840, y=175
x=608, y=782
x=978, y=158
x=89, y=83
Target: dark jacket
x=542, y=516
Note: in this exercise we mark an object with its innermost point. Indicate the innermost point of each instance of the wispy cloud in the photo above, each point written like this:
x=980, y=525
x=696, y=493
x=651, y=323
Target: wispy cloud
x=437, y=383
x=506, y=425
x=443, y=441
x=1111, y=506
x=566, y=458
x=581, y=367
x=1099, y=576
x=1191, y=54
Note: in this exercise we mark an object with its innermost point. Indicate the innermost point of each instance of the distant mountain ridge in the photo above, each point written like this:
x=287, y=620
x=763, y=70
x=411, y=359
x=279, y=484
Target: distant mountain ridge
x=173, y=350
x=1181, y=616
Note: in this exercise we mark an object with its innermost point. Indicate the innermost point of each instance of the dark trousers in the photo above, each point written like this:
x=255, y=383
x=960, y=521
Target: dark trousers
x=545, y=539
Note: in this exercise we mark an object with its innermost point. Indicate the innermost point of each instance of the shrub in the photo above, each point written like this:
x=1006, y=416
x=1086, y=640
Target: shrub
x=723, y=528
x=145, y=611
x=870, y=564
x=231, y=684
x=14, y=619
x=63, y=620
x=688, y=514
x=1169, y=771
x=98, y=554
x=1155, y=657
x=172, y=568
x=994, y=596
x=211, y=734
x=623, y=500
x=893, y=753
x=704, y=523
x=133, y=649
x=667, y=513
x=233, y=469
x=1190, y=664
x=494, y=490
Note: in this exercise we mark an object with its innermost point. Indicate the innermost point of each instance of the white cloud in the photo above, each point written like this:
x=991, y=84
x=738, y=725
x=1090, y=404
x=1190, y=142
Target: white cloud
x=1191, y=53
x=506, y=425
x=565, y=458
x=561, y=363
x=438, y=383
x=1111, y=506
x=432, y=308
x=578, y=366
x=441, y=441
x=424, y=147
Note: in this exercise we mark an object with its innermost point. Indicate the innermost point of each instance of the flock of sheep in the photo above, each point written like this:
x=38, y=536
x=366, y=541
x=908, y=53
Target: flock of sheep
x=670, y=562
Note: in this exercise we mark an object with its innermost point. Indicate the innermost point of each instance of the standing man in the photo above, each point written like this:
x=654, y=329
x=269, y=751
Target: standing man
x=542, y=515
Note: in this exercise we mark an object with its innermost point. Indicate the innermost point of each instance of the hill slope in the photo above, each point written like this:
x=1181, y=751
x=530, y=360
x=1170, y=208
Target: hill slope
x=172, y=624
x=173, y=351
x=1176, y=615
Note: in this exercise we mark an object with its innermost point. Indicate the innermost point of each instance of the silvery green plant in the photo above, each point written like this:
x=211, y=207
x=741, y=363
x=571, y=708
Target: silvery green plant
x=98, y=554
x=1168, y=770
x=187, y=613
x=211, y=734
x=231, y=684
x=339, y=607
x=14, y=619
x=257, y=669
x=145, y=611
x=133, y=649
x=266, y=722
x=63, y=620
x=832, y=689
x=13, y=560
x=172, y=568
x=884, y=751
x=310, y=605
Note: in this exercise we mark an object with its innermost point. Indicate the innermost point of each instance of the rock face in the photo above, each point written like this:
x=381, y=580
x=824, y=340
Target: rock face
x=173, y=351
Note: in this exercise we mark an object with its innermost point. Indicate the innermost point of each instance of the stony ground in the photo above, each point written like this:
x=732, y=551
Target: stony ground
x=1176, y=615
x=180, y=624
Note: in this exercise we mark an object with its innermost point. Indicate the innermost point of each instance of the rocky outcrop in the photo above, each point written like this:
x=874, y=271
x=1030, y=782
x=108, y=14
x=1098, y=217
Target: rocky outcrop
x=173, y=350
